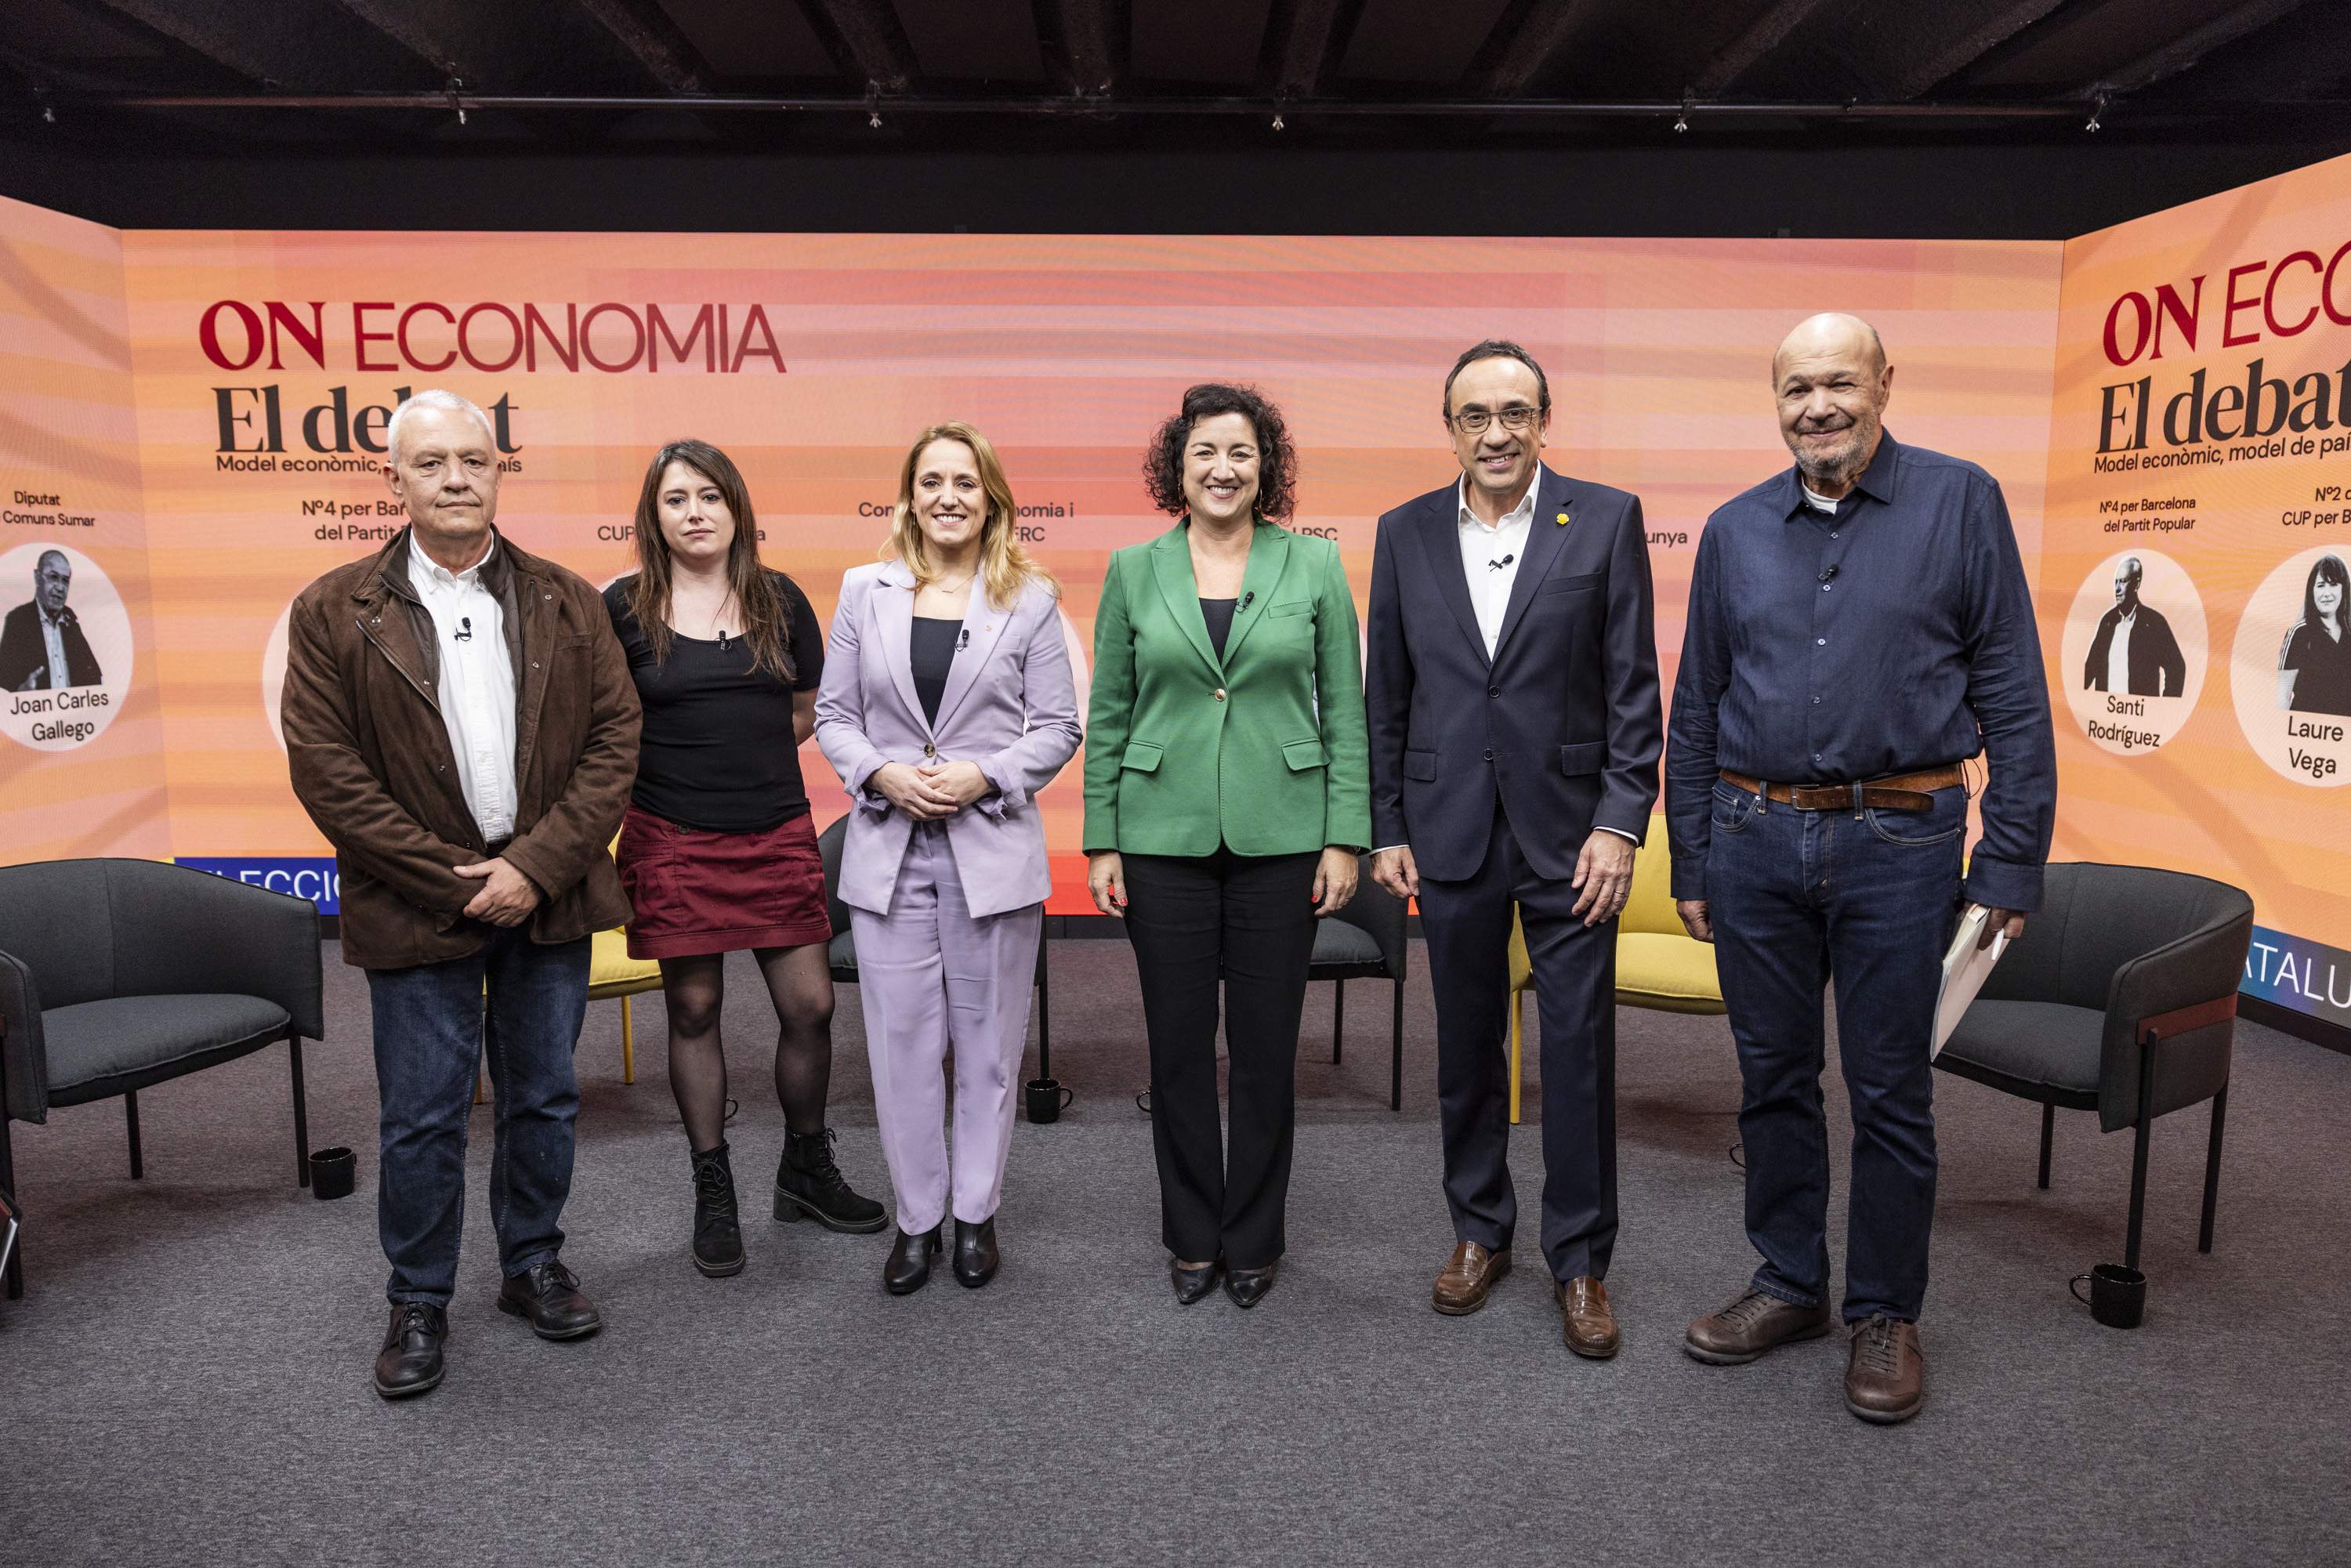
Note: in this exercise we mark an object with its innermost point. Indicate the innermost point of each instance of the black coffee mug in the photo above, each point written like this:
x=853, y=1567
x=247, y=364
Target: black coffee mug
x=1046, y=1099
x=332, y=1171
x=2118, y=1295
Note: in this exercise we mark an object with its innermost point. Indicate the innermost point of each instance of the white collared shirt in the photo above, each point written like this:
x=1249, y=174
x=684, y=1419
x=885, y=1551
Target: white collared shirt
x=2118, y=651
x=1482, y=547
x=476, y=688
x=53, y=641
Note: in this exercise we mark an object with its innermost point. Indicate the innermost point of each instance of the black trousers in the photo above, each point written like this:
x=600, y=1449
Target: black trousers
x=1467, y=924
x=1249, y=922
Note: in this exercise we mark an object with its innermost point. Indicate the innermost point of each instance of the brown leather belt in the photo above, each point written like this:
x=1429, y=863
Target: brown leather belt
x=1903, y=793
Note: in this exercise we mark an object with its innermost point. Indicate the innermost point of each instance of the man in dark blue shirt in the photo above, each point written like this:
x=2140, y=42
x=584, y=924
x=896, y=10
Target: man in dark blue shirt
x=1859, y=626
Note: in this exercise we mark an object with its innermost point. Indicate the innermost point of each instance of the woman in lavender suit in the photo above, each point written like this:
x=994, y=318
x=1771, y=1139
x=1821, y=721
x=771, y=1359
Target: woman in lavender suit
x=947, y=705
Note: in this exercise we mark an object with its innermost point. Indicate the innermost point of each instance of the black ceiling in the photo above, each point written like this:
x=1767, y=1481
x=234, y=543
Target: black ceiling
x=733, y=71
x=2045, y=117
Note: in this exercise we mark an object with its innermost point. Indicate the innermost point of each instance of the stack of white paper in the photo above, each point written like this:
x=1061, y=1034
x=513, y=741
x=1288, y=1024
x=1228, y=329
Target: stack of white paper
x=1965, y=968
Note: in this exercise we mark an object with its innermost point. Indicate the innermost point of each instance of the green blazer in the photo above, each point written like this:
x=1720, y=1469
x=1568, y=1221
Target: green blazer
x=1263, y=749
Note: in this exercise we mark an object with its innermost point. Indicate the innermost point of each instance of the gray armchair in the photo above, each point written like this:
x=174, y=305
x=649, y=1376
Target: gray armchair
x=1365, y=941
x=119, y=974
x=841, y=951
x=2121, y=997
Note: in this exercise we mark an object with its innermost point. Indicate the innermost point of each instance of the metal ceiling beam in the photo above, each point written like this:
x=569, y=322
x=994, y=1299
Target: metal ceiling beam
x=438, y=36
x=1304, y=41
x=223, y=32
x=1970, y=47
x=1250, y=108
x=866, y=40
x=2193, y=45
x=1084, y=44
x=655, y=42
x=1525, y=40
x=1763, y=35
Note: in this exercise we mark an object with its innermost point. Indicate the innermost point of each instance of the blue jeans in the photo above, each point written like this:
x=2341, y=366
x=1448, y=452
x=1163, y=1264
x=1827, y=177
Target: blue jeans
x=1864, y=900
x=431, y=1028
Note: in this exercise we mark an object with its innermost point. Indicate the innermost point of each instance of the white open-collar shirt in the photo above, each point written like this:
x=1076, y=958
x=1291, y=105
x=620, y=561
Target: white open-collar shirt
x=476, y=688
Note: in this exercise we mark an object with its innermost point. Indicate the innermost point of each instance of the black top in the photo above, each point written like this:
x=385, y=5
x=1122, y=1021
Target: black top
x=717, y=751
x=1219, y=614
x=2322, y=669
x=931, y=652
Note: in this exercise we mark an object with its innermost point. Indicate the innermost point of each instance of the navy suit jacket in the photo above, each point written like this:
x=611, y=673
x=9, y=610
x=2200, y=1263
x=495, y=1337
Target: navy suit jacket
x=1563, y=721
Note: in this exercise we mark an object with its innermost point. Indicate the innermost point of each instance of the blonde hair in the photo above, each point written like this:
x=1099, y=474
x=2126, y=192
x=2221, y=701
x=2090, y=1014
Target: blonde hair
x=1004, y=565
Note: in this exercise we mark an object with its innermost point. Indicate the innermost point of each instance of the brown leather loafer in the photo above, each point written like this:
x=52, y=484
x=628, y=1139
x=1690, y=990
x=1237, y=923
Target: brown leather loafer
x=1756, y=1322
x=1585, y=1320
x=1886, y=1381
x=1469, y=1276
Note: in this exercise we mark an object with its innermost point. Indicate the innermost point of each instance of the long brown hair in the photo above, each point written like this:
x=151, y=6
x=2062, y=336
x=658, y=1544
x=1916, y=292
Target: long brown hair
x=765, y=626
x=1004, y=565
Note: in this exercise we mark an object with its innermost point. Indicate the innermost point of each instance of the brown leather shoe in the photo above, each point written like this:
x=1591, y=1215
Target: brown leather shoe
x=1757, y=1322
x=1887, y=1380
x=1585, y=1320
x=1469, y=1275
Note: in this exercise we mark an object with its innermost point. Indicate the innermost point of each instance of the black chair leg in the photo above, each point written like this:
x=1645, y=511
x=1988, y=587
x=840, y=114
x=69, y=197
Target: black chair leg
x=1044, y=1013
x=1396, y=1053
x=2139, y=1150
x=131, y=1120
x=2212, y=1168
x=2048, y=1127
x=1338, y=1018
x=301, y=1114
x=8, y=1181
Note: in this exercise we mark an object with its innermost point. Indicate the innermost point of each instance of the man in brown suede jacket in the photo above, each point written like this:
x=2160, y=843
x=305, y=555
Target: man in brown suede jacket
x=461, y=725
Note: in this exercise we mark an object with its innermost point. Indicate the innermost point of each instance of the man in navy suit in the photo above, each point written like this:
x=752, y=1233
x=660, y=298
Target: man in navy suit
x=1515, y=732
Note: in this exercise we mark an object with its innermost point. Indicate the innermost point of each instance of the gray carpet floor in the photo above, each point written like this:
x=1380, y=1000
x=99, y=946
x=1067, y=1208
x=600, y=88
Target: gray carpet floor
x=186, y=1380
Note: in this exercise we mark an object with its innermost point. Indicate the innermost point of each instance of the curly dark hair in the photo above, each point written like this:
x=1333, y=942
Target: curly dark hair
x=1162, y=464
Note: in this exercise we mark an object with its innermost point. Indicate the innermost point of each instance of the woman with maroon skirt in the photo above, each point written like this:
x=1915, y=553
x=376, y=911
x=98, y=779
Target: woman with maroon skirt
x=718, y=851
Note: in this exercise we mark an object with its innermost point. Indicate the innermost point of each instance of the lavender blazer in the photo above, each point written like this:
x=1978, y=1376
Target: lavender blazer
x=1009, y=706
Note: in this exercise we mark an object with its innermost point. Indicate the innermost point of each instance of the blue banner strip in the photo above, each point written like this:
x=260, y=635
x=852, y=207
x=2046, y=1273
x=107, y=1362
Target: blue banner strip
x=313, y=878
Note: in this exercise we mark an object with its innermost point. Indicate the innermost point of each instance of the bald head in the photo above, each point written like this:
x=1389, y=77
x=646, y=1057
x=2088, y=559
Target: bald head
x=1832, y=383
x=1832, y=333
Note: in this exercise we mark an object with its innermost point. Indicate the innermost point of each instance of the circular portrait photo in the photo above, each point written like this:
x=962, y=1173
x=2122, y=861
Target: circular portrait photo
x=2291, y=671
x=65, y=648
x=2133, y=652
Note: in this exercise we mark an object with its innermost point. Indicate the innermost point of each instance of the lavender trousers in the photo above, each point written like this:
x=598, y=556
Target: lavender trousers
x=935, y=982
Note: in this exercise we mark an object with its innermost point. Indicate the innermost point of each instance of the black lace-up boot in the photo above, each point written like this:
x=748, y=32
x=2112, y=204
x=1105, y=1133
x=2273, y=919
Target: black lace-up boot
x=717, y=1232
x=809, y=1184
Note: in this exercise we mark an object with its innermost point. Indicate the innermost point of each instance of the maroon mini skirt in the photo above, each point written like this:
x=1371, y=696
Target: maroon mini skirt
x=694, y=891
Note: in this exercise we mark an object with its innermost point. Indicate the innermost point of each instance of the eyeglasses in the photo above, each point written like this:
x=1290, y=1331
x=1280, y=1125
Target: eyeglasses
x=1517, y=421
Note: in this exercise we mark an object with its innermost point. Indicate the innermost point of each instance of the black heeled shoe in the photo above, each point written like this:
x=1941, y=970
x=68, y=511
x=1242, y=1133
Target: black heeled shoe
x=1192, y=1284
x=976, y=1256
x=1247, y=1287
x=911, y=1257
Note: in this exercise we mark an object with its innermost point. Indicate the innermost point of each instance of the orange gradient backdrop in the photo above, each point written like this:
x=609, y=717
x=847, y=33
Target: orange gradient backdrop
x=1067, y=351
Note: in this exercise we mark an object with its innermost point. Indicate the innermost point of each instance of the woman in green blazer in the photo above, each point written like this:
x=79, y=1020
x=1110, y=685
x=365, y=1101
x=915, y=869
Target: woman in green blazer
x=1226, y=796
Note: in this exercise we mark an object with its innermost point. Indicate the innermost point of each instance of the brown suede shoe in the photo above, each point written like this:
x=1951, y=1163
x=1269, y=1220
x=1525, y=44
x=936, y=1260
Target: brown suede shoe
x=1589, y=1326
x=1757, y=1322
x=1887, y=1380
x=1469, y=1275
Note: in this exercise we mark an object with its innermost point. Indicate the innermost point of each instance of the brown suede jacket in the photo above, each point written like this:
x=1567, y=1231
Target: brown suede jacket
x=372, y=762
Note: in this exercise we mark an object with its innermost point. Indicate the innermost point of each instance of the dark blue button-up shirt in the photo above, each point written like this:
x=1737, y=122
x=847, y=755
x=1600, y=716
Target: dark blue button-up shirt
x=1894, y=635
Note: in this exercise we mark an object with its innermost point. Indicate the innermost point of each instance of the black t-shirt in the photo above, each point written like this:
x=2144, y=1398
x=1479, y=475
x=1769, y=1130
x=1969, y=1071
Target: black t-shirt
x=717, y=751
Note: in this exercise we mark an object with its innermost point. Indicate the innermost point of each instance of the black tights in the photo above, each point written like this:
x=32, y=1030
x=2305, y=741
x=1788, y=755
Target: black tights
x=800, y=983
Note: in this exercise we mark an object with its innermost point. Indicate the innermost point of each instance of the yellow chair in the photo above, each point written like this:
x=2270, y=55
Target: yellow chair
x=611, y=973
x=1659, y=966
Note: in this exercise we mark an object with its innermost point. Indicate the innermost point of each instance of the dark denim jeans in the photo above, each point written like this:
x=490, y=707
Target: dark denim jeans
x=431, y=1029
x=1864, y=900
